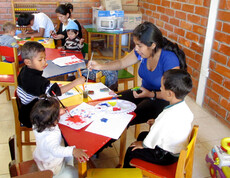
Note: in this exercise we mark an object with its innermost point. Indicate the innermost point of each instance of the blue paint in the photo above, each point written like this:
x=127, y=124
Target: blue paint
x=104, y=120
x=104, y=104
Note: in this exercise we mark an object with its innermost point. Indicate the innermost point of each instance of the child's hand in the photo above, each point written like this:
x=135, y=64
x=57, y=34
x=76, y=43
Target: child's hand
x=82, y=40
x=80, y=155
x=137, y=145
x=79, y=80
x=151, y=122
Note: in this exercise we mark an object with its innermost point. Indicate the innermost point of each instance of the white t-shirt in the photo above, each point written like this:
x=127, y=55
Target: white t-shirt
x=171, y=129
x=41, y=20
x=50, y=150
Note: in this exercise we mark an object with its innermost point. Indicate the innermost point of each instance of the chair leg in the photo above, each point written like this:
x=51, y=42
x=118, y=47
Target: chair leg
x=126, y=85
x=8, y=93
x=19, y=145
x=27, y=136
x=137, y=130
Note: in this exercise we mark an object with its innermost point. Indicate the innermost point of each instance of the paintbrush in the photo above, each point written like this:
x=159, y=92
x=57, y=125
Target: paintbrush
x=83, y=85
x=77, y=90
x=106, y=98
x=66, y=109
x=88, y=70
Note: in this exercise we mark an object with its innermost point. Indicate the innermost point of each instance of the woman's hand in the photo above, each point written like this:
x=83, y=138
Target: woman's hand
x=94, y=65
x=137, y=145
x=143, y=94
x=58, y=37
x=80, y=155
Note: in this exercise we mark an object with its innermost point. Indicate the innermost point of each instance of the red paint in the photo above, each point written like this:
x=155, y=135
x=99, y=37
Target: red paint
x=75, y=119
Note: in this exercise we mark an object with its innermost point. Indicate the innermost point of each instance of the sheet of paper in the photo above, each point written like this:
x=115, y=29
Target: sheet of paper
x=67, y=60
x=110, y=125
x=83, y=114
x=68, y=94
x=97, y=93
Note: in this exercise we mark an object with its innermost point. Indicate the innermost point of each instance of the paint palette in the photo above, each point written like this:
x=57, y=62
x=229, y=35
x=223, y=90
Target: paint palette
x=116, y=106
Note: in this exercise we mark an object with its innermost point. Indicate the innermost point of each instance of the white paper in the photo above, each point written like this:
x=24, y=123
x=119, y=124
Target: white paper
x=68, y=94
x=67, y=60
x=83, y=114
x=97, y=93
x=110, y=125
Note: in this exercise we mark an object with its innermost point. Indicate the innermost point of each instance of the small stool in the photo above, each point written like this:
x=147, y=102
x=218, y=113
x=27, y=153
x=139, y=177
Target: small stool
x=114, y=173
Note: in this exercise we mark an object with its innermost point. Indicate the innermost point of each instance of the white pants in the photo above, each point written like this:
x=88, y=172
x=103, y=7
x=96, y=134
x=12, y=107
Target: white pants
x=67, y=171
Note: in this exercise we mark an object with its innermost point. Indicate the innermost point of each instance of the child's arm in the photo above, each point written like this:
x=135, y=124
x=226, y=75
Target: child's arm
x=137, y=145
x=79, y=80
x=80, y=155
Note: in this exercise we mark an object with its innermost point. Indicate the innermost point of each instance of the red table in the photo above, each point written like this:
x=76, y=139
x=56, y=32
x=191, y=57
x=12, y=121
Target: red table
x=90, y=142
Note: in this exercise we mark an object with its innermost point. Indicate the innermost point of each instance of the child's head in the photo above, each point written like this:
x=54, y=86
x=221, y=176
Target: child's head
x=72, y=30
x=177, y=81
x=25, y=19
x=33, y=54
x=9, y=28
x=45, y=113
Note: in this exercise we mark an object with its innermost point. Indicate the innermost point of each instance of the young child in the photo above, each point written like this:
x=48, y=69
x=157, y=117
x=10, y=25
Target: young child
x=73, y=42
x=50, y=152
x=169, y=134
x=7, y=39
x=31, y=84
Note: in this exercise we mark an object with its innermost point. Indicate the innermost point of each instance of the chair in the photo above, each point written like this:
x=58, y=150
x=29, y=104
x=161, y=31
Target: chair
x=10, y=53
x=19, y=129
x=8, y=77
x=182, y=168
x=25, y=169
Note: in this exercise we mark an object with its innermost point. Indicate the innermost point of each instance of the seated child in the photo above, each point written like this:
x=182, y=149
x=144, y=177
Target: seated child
x=7, y=39
x=31, y=84
x=50, y=152
x=73, y=42
x=170, y=132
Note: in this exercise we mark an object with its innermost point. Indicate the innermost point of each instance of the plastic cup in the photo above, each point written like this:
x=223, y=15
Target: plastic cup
x=85, y=96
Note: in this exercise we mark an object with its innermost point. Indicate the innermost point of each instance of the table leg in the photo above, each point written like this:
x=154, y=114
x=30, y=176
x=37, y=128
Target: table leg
x=89, y=45
x=129, y=41
x=82, y=169
x=122, y=148
x=119, y=46
x=114, y=47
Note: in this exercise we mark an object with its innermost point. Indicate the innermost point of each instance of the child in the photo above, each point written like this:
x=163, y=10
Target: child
x=73, y=42
x=50, y=152
x=7, y=39
x=31, y=84
x=169, y=134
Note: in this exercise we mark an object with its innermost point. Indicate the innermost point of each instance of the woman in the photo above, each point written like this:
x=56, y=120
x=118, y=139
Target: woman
x=156, y=55
x=64, y=15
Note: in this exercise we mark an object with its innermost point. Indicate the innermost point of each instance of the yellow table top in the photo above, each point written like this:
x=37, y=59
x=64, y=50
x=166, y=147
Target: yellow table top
x=46, y=42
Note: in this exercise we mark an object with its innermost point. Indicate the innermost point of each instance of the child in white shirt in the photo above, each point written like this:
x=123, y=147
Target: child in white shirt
x=169, y=134
x=50, y=152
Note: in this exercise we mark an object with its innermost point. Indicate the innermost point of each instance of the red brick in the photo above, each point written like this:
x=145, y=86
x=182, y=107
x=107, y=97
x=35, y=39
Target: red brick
x=226, y=27
x=225, y=103
x=156, y=15
x=201, y=11
x=174, y=21
x=160, y=23
x=165, y=3
x=212, y=94
x=222, y=37
x=199, y=29
x=226, y=93
x=172, y=36
x=224, y=15
x=216, y=107
x=152, y=7
x=197, y=47
x=168, y=27
x=184, y=41
x=194, y=64
x=204, y=21
x=149, y=13
x=224, y=5
x=218, y=25
x=215, y=77
x=192, y=36
x=157, y=2
x=198, y=57
x=196, y=74
x=212, y=64
x=207, y=3
x=217, y=88
x=176, y=5
x=179, y=31
x=160, y=9
x=226, y=83
x=188, y=8
x=186, y=25
x=180, y=15
x=218, y=57
x=194, y=18
x=201, y=41
x=164, y=18
x=196, y=2
x=170, y=12
x=215, y=45
x=224, y=49
x=189, y=53
x=223, y=70
x=146, y=5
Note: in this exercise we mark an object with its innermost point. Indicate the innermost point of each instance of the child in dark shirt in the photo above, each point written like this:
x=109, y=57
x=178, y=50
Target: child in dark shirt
x=31, y=84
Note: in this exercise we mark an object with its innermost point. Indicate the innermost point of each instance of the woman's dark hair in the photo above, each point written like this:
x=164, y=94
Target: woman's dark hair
x=44, y=113
x=24, y=19
x=179, y=81
x=30, y=49
x=148, y=34
x=69, y=5
x=63, y=9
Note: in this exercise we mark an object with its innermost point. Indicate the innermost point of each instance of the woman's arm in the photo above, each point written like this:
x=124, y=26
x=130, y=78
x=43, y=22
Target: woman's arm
x=34, y=34
x=126, y=61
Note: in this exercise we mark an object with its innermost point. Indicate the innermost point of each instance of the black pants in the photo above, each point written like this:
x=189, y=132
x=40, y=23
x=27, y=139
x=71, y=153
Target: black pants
x=156, y=155
x=146, y=108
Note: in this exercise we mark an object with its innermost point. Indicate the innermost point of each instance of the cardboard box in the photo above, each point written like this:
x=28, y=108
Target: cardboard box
x=111, y=5
x=129, y=2
x=131, y=20
x=108, y=20
x=130, y=8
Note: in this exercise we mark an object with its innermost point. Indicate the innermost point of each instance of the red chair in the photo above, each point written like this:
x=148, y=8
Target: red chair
x=182, y=168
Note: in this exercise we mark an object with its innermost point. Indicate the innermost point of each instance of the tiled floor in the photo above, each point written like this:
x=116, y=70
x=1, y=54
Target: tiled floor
x=211, y=131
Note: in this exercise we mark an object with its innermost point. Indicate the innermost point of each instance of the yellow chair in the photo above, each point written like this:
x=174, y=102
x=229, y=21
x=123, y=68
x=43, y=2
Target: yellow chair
x=182, y=168
x=114, y=173
x=8, y=77
x=19, y=129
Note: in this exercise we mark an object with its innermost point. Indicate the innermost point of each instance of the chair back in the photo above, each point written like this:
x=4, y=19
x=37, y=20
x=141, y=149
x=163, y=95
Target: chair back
x=9, y=52
x=8, y=74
